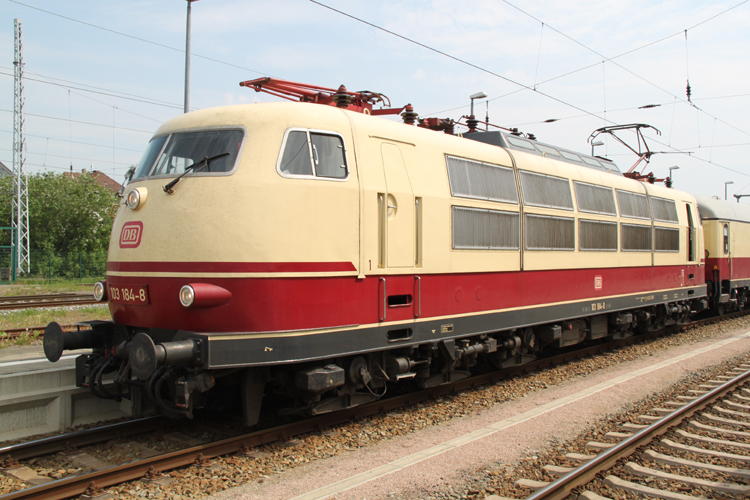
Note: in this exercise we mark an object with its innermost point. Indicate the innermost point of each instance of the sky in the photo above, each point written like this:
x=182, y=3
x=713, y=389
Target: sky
x=101, y=76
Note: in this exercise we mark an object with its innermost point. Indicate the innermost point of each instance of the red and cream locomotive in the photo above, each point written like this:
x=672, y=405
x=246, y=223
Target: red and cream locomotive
x=321, y=253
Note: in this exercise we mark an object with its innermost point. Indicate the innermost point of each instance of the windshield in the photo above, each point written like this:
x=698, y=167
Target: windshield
x=187, y=148
x=147, y=160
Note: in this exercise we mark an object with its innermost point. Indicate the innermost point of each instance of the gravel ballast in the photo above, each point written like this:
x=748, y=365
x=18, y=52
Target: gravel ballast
x=481, y=467
x=487, y=465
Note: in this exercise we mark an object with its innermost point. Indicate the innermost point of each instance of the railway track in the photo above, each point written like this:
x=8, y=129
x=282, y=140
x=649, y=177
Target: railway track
x=155, y=465
x=50, y=300
x=13, y=333
x=678, y=446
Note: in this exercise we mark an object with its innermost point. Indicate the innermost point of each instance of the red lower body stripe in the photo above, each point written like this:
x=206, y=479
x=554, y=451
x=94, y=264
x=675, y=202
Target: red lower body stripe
x=300, y=303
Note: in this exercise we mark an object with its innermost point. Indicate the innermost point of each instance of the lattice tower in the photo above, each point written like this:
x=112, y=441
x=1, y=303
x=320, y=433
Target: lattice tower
x=20, y=206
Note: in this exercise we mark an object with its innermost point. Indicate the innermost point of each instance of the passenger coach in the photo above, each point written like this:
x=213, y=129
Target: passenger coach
x=727, y=233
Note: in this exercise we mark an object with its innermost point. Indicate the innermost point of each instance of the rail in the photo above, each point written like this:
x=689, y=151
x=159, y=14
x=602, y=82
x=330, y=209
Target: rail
x=51, y=300
x=585, y=473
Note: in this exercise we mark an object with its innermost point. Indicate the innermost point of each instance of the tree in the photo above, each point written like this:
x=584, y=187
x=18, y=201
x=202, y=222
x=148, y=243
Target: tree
x=66, y=213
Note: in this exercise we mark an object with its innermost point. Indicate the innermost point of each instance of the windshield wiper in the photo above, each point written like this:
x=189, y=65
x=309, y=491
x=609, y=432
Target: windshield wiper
x=192, y=168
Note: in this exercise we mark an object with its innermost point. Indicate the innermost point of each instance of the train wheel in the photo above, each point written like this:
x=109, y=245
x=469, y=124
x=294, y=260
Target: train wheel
x=721, y=309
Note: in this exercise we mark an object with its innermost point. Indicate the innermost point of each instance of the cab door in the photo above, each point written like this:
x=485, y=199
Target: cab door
x=398, y=209
x=726, y=234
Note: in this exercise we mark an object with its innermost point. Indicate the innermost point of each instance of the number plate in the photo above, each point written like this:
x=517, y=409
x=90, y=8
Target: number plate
x=135, y=295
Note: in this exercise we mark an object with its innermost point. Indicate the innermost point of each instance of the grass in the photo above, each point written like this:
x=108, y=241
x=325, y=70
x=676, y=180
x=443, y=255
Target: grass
x=23, y=318
x=46, y=288
x=25, y=339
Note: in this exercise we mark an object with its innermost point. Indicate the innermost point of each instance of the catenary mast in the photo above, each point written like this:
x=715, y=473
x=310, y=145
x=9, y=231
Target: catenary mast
x=20, y=207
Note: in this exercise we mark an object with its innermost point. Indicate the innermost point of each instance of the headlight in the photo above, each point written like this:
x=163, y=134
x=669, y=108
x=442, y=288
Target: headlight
x=136, y=197
x=100, y=291
x=187, y=295
x=203, y=295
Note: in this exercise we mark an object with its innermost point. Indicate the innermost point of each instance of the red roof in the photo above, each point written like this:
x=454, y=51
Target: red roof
x=100, y=177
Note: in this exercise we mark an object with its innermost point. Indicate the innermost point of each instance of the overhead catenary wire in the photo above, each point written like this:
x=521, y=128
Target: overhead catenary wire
x=526, y=87
x=100, y=102
x=96, y=160
x=685, y=151
x=172, y=48
x=628, y=70
x=713, y=135
x=610, y=59
x=144, y=40
x=688, y=91
x=64, y=169
x=95, y=90
x=455, y=58
x=75, y=142
x=82, y=122
x=539, y=55
x=70, y=132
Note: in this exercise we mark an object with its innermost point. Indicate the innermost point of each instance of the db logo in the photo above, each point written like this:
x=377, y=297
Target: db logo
x=130, y=236
x=597, y=282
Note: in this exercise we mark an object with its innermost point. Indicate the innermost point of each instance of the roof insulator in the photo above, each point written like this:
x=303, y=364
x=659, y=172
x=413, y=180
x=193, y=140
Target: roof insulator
x=409, y=116
x=342, y=98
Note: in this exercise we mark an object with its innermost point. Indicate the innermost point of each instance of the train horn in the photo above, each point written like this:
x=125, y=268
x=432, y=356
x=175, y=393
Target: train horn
x=56, y=340
x=145, y=356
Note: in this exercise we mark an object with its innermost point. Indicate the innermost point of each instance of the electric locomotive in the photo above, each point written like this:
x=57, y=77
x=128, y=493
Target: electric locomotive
x=315, y=251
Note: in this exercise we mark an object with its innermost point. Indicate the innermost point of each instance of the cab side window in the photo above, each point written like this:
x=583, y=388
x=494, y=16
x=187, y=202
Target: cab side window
x=313, y=154
x=296, y=157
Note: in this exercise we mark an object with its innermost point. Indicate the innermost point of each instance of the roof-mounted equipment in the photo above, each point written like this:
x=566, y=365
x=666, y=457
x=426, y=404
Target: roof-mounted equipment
x=361, y=101
x=643, y=152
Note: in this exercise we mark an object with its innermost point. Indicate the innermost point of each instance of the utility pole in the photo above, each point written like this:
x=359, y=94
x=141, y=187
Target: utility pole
x=20, y=207
x=187, y=58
